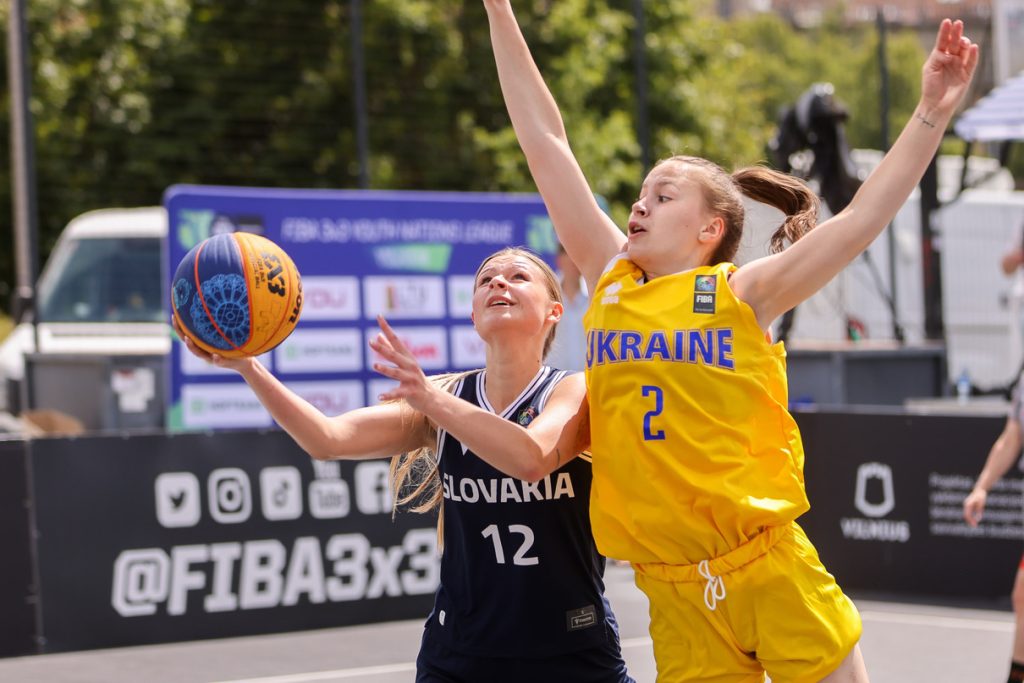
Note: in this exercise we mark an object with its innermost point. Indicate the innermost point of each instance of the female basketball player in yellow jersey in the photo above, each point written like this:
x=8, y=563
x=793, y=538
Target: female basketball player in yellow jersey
x=698, y=466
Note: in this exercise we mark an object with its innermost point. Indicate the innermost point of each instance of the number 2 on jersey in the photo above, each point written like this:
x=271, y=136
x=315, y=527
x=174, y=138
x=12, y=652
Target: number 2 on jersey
x=659, y=405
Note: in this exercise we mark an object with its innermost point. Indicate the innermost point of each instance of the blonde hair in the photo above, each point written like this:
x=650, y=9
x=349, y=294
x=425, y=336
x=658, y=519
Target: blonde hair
x=722, y=194
x=415, y=479
x=550, y=280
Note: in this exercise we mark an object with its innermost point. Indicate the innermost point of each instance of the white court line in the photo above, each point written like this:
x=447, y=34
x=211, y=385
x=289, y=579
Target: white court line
x=636, y=642
x=880, y=617
x=330, y=675
x=338, y=674
x=940, y=622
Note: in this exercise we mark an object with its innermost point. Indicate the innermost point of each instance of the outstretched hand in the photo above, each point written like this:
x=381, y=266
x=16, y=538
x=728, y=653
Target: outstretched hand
x=949, y=69
x=413, y=385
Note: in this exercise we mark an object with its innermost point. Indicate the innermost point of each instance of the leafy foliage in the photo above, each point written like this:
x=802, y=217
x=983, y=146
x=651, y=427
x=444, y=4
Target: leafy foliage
x=131, y=96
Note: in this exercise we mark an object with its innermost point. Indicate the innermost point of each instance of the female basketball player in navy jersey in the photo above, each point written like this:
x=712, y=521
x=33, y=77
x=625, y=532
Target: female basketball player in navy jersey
x=521, y=595
x=698, y=465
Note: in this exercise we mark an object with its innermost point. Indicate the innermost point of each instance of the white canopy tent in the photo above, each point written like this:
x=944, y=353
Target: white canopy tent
x=997, y=117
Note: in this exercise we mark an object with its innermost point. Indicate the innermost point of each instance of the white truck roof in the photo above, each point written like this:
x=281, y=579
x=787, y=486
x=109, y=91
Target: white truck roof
x=147, y=221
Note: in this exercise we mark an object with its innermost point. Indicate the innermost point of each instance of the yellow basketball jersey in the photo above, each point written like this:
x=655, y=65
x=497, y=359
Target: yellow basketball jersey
x=694, y=449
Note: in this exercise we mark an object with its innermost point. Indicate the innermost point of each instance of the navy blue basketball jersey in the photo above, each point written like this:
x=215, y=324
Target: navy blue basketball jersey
x=520, y=574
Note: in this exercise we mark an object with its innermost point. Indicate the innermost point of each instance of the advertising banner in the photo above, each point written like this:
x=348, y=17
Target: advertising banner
x=410, y=256
x=887, y=492
x=165, y=538
x=17, y=607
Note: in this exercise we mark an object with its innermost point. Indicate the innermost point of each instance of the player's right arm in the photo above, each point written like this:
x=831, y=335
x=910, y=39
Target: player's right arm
x=378, y=431
x=554, y=437
x=590, y=237
x=1001, y=457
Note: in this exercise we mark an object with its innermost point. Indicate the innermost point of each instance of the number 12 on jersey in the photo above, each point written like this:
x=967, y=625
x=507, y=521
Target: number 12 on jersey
x=650, y=433
x=526, y=542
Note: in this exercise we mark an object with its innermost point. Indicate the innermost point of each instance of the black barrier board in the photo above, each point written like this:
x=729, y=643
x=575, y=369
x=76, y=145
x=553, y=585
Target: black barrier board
x=17, y=607
x=162, y=538
x=887, y=492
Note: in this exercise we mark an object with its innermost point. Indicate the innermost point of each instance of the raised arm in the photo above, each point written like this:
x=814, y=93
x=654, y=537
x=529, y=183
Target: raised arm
x=590, y=237
x=774, y=284
x=374, y=432
x=556, y=436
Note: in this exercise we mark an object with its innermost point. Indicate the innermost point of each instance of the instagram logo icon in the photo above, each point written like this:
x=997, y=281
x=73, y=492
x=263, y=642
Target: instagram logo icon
x=230, y=495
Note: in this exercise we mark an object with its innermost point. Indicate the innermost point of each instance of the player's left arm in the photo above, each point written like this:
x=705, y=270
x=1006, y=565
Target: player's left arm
x=553, y=438
x=775, y=284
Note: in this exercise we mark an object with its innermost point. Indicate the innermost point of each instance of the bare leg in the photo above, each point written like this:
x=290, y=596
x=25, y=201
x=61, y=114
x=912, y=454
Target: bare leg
x=1018, y=612
x=851, y=670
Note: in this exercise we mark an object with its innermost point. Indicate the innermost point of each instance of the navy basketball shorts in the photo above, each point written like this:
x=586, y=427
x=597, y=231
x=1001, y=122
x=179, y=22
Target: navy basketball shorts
x=438, y=663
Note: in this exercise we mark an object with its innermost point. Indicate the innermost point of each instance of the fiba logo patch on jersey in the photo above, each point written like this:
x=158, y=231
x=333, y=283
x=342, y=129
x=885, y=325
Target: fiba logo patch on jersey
x=526, y=416
x=704, y=294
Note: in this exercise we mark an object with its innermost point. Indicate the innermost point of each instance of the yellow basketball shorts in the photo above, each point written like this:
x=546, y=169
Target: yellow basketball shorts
x=768, y=606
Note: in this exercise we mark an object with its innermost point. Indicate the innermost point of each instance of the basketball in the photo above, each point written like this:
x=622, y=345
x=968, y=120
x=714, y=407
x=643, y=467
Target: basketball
x=236, y=295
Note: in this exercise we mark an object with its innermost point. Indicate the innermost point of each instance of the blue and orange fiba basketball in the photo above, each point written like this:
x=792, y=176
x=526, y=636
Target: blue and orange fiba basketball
x=236, y=295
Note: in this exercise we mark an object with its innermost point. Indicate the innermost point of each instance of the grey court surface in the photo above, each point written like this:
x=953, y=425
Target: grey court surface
x=902, y=643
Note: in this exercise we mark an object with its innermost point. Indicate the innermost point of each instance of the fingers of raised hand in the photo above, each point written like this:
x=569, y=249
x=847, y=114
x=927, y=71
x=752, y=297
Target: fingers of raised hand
x=389, y=334
x=947, y=40
x=955, y=36
x=388, y=370
x=386, y=350
x=382, y=346
x=970, y=57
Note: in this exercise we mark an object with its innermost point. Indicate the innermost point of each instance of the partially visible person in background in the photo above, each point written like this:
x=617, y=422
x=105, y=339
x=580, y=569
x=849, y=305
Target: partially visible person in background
x=1011, y=264
x=1012, y=260
x=1013, y=257
x=1004, y=452
x=569, y=352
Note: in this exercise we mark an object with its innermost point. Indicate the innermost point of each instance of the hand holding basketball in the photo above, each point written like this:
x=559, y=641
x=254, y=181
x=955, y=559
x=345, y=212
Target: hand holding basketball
x=236, y=364
x=236, y=295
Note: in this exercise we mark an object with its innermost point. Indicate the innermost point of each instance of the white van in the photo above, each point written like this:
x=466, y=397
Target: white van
x=100, y=293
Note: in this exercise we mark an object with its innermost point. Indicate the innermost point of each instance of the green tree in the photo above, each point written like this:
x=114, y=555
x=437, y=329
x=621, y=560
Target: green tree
x=132, y=96
x=90, y=100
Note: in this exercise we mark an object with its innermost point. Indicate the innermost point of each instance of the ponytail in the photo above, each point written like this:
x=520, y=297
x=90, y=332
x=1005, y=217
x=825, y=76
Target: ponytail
x=723, y=194
x=786, y=193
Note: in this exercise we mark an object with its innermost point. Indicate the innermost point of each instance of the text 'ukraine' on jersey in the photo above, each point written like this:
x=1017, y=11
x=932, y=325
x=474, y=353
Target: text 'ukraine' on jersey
x=520, y=574
x=707, y=347
x=694, y=449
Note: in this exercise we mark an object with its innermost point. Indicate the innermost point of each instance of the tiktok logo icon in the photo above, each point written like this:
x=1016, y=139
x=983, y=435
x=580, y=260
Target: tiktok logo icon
x=281, y=493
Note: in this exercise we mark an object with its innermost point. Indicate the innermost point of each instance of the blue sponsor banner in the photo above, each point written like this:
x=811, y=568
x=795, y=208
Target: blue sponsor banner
x=410, y=256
